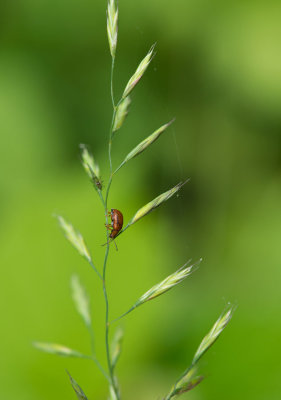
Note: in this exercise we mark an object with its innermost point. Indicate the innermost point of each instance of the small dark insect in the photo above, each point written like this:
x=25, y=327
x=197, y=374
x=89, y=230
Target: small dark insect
x=116, y=222
x=97, y=183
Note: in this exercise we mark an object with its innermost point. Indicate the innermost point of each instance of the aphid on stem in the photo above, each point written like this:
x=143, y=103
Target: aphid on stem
x=98, y=183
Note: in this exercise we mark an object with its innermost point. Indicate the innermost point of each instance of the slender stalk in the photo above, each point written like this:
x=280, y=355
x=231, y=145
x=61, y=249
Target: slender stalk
x=110, y=161
x=109, y=149
x=123, y=315
x=109, y=377
x=106, y=308
x=108, y=187
x=120, y=166
x=101, y=369
x=94, y=268
x=112, y=122
x=111, y=82
x=92, y=336
x=110, y=369
x=104, y=202
x=178, y=380
x=93, y=357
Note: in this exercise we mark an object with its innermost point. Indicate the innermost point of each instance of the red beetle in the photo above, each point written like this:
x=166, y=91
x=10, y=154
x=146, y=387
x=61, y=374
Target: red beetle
x=116, y=222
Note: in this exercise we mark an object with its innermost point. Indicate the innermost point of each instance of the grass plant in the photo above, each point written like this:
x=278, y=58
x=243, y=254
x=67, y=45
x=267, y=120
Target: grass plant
x=190, y=378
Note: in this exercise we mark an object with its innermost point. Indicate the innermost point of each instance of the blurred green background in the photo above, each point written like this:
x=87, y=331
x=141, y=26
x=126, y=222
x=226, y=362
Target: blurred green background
x=218, y=71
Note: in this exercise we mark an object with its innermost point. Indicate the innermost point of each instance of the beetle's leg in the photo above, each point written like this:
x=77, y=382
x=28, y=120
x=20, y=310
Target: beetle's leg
x=108, y=226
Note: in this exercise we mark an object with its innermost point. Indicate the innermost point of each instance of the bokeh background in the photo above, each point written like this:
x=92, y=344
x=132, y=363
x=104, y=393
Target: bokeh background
x=218, y=71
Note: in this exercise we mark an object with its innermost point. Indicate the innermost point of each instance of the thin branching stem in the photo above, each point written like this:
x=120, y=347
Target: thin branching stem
x=112, y=123
x=110, y=369
x=93, y=358
x=92, y=336
x=105, y=205
x=106, y=309
x=110, y=162
x=94, y=268
x=111, y=82
x=178, y=380
x=123, y=315
x=108, y=188
x=101, y=369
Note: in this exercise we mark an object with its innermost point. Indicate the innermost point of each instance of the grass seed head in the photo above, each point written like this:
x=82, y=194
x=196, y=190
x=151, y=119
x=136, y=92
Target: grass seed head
x=58, y=349
x=145, y=143
x=116, y=347
x=81, y=300
x=214, y=333
x=121, y=113
x=112, y=26
x=139, y=72
x=167, y=284
x=189, y=381
x=155, y=203
x=78, y=390
x=75, y=238
x=112, y=394
x=91, y=167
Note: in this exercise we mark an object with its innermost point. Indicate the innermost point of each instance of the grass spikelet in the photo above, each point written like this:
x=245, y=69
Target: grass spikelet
x=112, y=26
x=162, y=287
x=58, y=349
x=91, y=167
x=112, y=393
x=139, y=72
x=121, y=113
x=75, y=238
x=81, y=300
x=188, y=382
x=214, y=333
x=144, y=144
x=155, y=203
x=78, y=390
x=167, y=284
x=116, y=346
